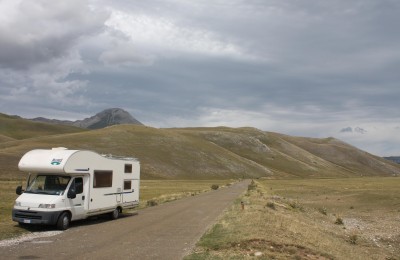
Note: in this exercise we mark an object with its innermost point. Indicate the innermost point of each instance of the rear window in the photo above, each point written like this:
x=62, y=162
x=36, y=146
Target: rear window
x=128, y=168
x=127, y=184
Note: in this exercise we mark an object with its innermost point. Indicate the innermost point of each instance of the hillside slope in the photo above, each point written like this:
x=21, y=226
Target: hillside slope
x=205, y=153
x=14, y=127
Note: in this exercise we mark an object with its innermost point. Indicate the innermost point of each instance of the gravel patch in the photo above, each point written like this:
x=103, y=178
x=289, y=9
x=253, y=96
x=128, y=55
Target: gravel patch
x=30, y=237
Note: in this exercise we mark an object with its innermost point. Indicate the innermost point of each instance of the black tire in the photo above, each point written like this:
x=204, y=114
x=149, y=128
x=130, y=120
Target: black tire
x=115, y=214
x=63, y=221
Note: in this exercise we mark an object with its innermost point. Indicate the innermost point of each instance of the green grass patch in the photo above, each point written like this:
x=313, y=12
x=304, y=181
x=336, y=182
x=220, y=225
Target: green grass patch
x=215, y=239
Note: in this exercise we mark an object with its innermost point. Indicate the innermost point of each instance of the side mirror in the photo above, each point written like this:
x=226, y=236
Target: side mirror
x=19, y=190
x=71, y=194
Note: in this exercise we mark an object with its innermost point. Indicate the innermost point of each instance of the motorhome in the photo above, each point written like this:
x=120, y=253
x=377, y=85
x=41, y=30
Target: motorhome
x=67, y=185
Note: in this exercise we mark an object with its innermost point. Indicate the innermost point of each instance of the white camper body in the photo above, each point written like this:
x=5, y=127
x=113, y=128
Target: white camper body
x=67, y=185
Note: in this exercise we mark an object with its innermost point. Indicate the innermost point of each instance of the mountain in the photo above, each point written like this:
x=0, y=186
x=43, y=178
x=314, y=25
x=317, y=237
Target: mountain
x=108, y=117
x=357, y=130
x=395, y=159
x=207, y=153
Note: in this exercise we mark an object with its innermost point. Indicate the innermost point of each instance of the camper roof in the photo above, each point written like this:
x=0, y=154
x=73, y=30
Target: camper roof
x=41, y=160
x=58, y=160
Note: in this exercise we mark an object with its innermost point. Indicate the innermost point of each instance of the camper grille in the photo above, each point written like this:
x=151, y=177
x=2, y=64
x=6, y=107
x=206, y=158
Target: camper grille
x=27, y=215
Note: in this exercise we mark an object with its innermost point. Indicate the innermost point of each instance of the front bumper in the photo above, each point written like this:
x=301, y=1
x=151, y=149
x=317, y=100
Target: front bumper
x=35, y=217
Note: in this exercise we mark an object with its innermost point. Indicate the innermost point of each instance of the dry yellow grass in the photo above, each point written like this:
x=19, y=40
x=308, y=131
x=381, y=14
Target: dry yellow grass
x=8, y=228
x=287, y=219
x=209, y=153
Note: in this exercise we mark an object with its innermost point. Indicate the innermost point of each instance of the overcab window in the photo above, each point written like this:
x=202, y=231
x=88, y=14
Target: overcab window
x=102, y=179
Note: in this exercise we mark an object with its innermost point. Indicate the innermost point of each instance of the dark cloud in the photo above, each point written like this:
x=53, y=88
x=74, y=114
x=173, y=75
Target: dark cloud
x=39, y=31
x=288, y=66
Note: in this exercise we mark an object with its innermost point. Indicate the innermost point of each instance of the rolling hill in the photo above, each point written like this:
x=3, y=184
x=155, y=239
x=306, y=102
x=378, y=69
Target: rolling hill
x=15, y=127
x=205, y=153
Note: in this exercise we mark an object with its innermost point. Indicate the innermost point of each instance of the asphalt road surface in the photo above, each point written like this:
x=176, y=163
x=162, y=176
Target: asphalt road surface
x=167, y=231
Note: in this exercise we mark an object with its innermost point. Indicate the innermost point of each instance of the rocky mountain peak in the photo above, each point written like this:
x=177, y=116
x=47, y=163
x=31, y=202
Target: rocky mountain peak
x=108, y=117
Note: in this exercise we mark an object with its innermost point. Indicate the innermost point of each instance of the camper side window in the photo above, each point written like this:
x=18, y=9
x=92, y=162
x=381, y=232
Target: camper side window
x=102, y=179
x=127, y=184
x=128, y=168
x=78, y=185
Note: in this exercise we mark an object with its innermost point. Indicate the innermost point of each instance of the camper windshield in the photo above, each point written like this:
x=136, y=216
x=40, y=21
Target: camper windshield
x=48, y=184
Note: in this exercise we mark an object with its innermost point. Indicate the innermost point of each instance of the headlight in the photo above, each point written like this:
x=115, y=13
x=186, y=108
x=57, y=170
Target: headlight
x=47, y=206
x=17, y=203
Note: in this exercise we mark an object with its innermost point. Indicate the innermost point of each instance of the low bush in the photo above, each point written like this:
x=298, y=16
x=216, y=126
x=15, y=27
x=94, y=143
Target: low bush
x=215, y=186
x=252, y=186
x=339, y=221
x=353, y=239
x=296, y=205
x=152, y=203
x=271, y=205
x=323, y=211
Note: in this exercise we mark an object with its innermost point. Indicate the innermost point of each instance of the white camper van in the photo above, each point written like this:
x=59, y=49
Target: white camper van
x=67, y=185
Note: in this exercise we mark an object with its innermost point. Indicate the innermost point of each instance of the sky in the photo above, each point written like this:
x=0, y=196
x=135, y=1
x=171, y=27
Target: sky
x=303, y=68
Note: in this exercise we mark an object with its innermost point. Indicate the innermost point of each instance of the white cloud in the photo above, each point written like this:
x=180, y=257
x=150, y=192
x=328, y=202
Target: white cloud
x=160, y=34
x=46, y=82
x=124, y=53
x=380, y=138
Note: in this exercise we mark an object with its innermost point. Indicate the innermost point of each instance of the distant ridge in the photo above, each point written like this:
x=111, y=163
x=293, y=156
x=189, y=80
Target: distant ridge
x=395, y=159
x=108, y=117
x=192, y=153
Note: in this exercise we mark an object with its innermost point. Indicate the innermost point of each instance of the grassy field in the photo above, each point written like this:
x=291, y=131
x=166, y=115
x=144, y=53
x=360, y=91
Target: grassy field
x=357, y=218
x=156, y=191
x=8, y=228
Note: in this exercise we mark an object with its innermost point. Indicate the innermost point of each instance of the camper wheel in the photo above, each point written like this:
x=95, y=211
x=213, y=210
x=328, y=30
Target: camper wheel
x=63, y=221
x=115, y=213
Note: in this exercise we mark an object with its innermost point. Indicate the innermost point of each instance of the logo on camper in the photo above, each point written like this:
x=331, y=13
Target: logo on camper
x=56, y=161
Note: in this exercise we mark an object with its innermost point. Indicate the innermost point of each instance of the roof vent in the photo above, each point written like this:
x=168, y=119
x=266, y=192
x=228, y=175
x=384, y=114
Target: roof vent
x=59, y=148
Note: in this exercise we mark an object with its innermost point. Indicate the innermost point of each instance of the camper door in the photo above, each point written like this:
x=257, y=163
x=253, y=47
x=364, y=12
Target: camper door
x=103, y=195
x=78, y=205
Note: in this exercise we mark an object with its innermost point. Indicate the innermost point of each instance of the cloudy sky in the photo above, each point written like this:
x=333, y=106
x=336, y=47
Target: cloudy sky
x=304, y=68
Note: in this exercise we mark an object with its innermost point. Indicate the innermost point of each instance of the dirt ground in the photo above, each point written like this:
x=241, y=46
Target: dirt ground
x=168, y=231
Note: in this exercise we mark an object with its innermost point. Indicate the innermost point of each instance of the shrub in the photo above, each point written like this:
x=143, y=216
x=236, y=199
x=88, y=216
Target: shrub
x=353, y=239
x=323, y=211
x=215, y=186
x=339, y=221
x=252, y=186
x=296, y=205
x=152, y=203
x=271, y=205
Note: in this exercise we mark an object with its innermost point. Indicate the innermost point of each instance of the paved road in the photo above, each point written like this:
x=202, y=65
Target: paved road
x=168, y=231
